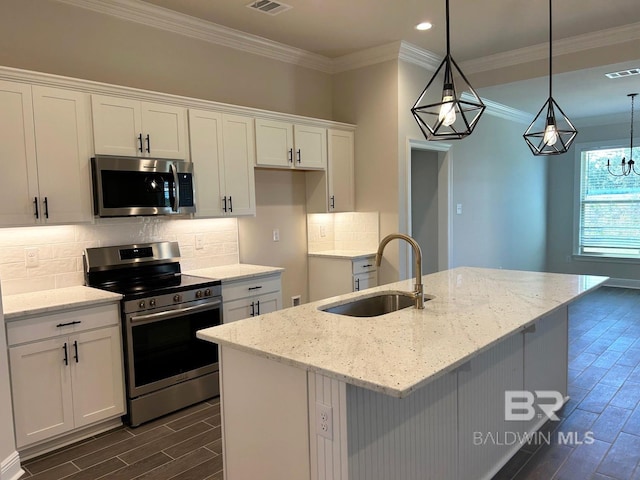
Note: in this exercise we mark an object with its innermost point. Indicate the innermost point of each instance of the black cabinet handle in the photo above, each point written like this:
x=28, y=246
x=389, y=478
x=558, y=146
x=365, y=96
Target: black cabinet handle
x=367, y=265
x=290, y=158
x=256, y=287
x=66, y=354
x=230, y=204
x=333, y=202
x=299, y=156
x=253, y=309
x=258, y=305
x=35, y=203
x=75, y=347
x=46, y=207
x=224, y=204
x=148, y=144
x=75, y=322
x=357, y=284
x=140, y=143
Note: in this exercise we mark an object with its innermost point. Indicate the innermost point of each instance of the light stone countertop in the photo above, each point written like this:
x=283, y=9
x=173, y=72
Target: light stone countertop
x=471, y=310
x=350, y=254
x=238, y=271
x=49, y=301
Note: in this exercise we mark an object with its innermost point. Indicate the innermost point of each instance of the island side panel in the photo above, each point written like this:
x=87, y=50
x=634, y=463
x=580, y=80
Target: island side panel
x=264, y=418
x=412, y=438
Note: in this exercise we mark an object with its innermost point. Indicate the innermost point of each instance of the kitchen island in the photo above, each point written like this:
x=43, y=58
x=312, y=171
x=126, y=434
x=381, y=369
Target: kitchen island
x=413, y=394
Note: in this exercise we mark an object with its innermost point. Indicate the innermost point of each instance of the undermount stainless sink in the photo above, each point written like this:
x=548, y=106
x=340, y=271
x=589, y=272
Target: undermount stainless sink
x=385, y=302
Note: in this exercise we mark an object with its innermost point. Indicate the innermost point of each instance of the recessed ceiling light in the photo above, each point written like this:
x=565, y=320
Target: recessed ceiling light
x=424, y=26
x=623, y=73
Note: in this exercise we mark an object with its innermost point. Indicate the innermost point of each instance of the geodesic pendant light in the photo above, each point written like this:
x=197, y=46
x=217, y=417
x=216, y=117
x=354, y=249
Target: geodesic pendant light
x=441, y=112
x=549, y=133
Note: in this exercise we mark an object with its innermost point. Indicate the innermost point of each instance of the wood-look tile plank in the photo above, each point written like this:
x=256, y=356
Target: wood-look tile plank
x=583, y=461
x=179, y=465
x=169, y=418
x=99, y=470
x=122, y=447
x=214, y=421
x=179, y=449
x=215, y=446
x=191, y=419
x=202, y=470
x=141, y=467
x=57, y=472
x=166, y=441
x=76, y=451
x=622, y=458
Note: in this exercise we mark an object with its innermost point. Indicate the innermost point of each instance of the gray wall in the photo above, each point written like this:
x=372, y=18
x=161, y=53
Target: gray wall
x=424, y=206
x=561, y=198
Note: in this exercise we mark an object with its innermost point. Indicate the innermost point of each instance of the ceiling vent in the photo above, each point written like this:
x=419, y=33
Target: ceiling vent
x=623, y=73
x=269, y=7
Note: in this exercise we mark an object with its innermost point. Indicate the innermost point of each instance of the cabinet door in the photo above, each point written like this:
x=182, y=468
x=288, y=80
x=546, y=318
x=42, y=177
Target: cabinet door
x=41, y=389
x=117, y=125
x=237, y=310
x=19, y=179
x=363, y=281
x=239, y=158
x=310, y=147
x=341, y=171
x=268, y=303
x=63, y=147
x=98, y=385
x=164, y=128
x=274, y=143
x=205, y=136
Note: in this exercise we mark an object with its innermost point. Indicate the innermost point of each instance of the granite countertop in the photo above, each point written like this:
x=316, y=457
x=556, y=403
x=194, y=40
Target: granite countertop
x=48, y=301
x=350, y=254
x=237, y=271
x=471, y=310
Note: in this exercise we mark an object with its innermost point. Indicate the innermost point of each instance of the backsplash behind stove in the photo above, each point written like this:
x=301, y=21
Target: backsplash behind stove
x=59, y=248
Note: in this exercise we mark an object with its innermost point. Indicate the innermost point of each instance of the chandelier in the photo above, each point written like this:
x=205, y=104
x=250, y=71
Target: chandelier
x=627, y=166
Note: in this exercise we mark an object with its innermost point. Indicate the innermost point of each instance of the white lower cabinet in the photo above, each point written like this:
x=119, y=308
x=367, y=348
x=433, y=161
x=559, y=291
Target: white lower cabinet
x=331, y=276
x=70, y=380
x=251, y=297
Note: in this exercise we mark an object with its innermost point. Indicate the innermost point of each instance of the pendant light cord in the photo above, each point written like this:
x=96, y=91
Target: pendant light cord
x=447, y=21
x=550, y=51
x=633, y=97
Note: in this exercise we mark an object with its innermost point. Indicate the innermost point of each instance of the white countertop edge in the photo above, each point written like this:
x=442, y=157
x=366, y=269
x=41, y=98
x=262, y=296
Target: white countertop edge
x=353, y=255
x=238, y=271
x=22, y=305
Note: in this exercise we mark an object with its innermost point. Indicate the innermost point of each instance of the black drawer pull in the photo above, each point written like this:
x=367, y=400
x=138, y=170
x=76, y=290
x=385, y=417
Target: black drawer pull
x=148, y=144
x=258, y=305
x=75, y=346
x=35, y=203
x=367, y=266
x=75, y=322
x=255, y=288
x=253, y=309
x=140, y=140
x=66, y=356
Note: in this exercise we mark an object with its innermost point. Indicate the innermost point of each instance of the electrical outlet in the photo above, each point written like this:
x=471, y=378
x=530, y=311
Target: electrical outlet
x=459, y=209
x=323, y=231
x=276, y=234
x=295, y=300
x=324, y=420
x=31, y=257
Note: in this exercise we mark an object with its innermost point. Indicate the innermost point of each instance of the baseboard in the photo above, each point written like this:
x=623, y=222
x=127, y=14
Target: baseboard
x=10, y=468
x=622, y=283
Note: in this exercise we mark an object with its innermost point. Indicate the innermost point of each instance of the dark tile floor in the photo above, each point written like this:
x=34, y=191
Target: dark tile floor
x=604, y=385
x=185, y=445
x=604, y=410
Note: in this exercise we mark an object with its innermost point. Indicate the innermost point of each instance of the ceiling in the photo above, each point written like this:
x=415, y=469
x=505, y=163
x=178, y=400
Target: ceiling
x=479, y=28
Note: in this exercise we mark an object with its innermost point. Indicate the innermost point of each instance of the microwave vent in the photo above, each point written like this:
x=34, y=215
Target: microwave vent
x=269, y=7
x=623, y=73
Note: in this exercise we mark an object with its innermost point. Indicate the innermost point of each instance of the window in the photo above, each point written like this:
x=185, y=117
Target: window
x=609, y=224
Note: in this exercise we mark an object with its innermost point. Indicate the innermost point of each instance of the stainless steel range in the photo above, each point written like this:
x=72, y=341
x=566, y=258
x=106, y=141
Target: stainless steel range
x=166, y=366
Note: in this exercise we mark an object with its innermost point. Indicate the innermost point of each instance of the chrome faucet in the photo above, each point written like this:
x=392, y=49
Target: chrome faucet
x=418, y=290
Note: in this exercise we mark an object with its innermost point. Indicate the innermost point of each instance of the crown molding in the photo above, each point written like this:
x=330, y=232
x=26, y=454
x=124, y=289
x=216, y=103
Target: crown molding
x=601, y=38
x=369, y=56
x=500, y=110
x=419, y=56
x=162, y=18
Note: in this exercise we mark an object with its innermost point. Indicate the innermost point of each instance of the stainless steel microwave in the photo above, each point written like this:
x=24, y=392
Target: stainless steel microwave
x=130, y=186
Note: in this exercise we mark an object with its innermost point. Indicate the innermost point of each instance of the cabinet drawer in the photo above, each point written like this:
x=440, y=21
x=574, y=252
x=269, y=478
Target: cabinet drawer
x=362, y=265
x=251, y=287
x=49, y=326
x=364, y=281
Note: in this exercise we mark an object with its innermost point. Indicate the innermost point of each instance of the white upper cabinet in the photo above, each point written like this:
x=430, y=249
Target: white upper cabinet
x=284, y=145
x=222, y=151
x=341, y=171
x=45, y=140
x=132, y=128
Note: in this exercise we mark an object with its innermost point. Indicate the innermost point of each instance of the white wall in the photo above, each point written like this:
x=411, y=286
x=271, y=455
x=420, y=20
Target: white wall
x=424, y=206
x=562, y=194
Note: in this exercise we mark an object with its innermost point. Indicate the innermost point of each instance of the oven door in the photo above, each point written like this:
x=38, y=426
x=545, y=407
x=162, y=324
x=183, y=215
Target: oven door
x=162, y=348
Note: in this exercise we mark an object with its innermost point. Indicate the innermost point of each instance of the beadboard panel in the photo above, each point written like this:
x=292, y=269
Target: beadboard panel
x=328, y=457
x=481, y=392
x=412, y=438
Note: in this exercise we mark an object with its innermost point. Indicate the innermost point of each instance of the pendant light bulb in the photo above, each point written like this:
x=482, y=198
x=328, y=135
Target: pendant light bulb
x=447, y=113
x=550, y=133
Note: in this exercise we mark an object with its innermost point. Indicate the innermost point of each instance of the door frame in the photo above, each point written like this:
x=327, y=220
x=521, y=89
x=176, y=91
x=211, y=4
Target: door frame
x=445, y=202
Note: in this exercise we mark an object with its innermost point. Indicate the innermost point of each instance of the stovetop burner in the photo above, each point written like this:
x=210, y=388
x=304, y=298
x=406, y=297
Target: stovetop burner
x=159, y=286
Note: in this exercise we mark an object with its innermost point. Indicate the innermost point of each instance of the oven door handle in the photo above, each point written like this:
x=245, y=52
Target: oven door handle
x=175, y=313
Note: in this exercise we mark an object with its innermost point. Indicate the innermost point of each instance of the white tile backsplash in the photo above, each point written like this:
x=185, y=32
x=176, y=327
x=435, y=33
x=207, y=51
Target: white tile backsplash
x=60, y=248
x=342, y=231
